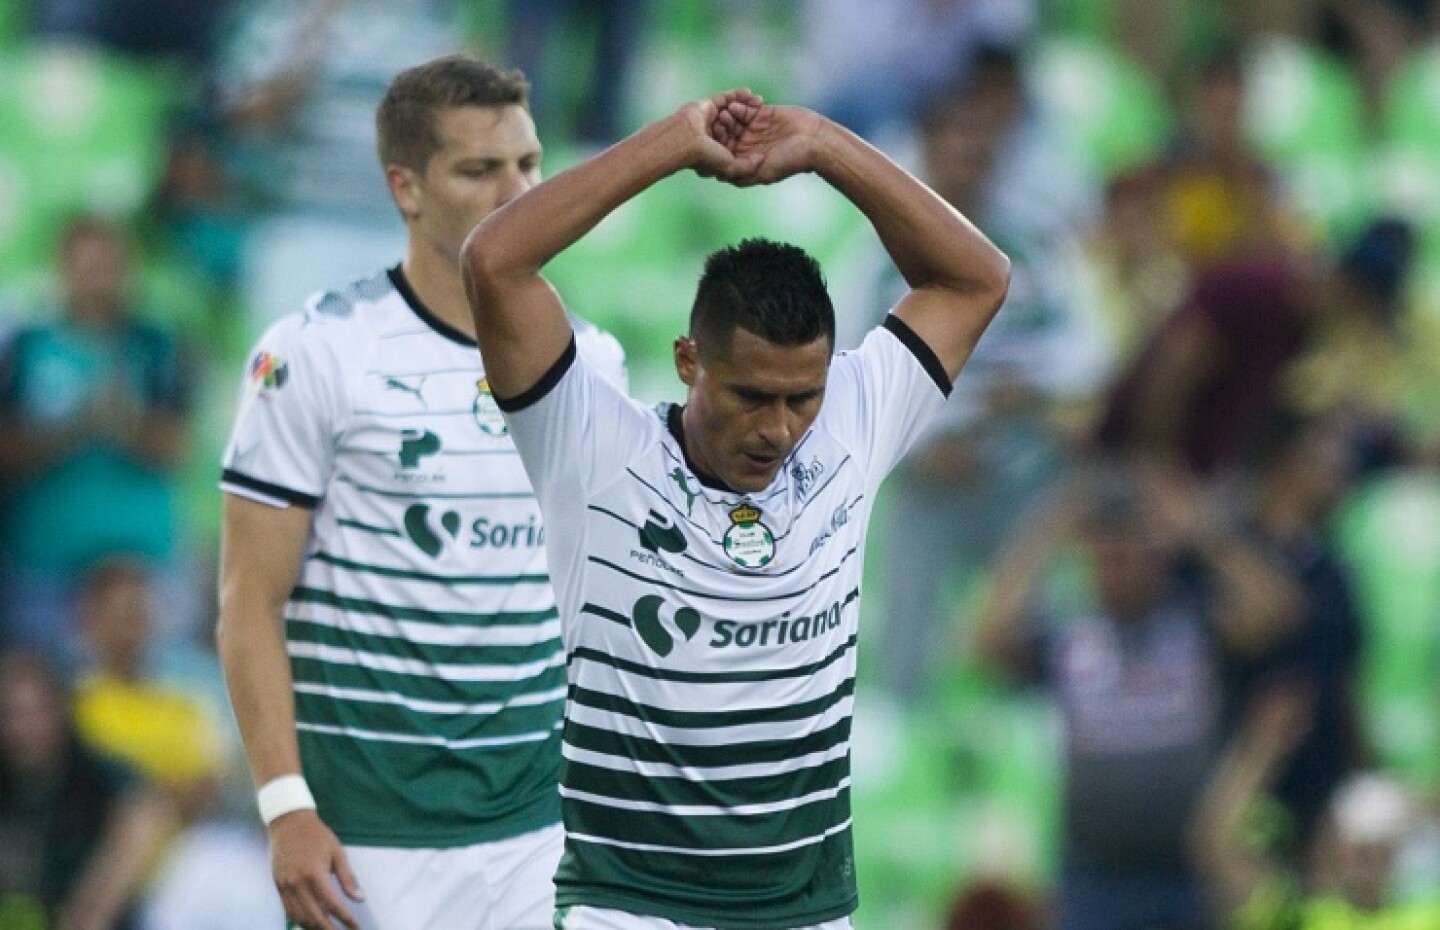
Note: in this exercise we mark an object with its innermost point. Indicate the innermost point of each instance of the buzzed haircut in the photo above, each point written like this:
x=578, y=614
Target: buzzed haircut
x=773, y=290
x=405, y=122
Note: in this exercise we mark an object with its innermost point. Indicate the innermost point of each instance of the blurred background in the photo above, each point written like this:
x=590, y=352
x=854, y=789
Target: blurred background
x=1183, y=506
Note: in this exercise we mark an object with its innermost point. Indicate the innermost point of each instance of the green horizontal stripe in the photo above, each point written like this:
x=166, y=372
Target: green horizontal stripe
x=798, y=888
x=307, y=631
x=386, y=572
x=663, y=674
x=366, y=527
x=424, y=688
x=646, y=750
x=714, y=718
x=304, y=595
x=730, y=792
x=394, y=719
x=723, y=831
x=396, y=794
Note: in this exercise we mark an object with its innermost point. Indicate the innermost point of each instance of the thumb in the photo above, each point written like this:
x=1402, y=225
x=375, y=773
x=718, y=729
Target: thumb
x=347, y=878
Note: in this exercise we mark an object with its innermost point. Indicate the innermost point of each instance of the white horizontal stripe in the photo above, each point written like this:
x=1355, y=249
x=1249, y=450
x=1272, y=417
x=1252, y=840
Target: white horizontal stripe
x=447, y=672
x=703, y=773
x=691, y=851
x=692, y=695
x=429, y=634
x=440, y=594
x=429, y=707
x=422, y=740
x=709, y=810
x=710, y=736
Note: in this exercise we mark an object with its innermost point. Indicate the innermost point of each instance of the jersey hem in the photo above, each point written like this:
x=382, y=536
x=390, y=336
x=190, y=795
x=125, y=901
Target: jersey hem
x=718, y=919
x=452, y=839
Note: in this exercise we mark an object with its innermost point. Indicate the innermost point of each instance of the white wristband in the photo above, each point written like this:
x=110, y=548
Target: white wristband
x=282, y=795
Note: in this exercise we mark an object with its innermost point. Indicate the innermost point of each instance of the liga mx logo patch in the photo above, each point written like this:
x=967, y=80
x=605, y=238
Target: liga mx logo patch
x=268, y=372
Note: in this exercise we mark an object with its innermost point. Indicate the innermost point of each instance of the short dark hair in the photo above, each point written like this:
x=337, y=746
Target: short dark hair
x=771, y=289
x=405, y=119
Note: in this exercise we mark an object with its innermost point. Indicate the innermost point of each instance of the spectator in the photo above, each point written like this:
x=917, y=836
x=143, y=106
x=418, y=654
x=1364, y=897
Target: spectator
x=1350, y=869
x=1302, y=470
x=1219, y=198
x=93, y=407
x=298, y=83
x=77, y=833
x=1214, y=370
x=995, y=444
x=1137, y=677
x=1133, y=267
x=161, y=732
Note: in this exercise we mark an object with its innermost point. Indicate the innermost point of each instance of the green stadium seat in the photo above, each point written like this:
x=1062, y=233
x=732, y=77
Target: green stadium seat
x=1112, y=112
x=1304, y=112
x=1390, y=533
x=80, y=131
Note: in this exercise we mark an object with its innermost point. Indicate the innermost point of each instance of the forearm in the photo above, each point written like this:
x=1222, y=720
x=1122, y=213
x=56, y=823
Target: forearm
x=931, y=243
x=261, y=550
x=517, y=240
x=1218, y=835
x=112, y=878
x=251, y=642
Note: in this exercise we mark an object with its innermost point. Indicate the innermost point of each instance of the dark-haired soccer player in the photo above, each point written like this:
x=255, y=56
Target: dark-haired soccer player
x=707, y=557
x=387, y=625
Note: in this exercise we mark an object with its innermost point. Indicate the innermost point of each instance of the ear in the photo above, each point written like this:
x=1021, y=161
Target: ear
x=406, y=188
x=687, y=360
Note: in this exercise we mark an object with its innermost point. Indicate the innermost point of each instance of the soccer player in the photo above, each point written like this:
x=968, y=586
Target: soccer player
x=707, y=557
x=387, y=627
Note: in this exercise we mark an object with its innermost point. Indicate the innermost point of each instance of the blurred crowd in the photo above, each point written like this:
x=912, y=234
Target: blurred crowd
x=1153, y=638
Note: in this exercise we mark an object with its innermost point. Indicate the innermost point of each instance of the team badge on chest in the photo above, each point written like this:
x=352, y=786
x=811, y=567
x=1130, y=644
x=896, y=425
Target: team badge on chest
x=749, y=542
x=487, y=412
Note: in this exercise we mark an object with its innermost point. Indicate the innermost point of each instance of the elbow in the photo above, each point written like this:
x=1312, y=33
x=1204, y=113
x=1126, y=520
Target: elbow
x=994, y=280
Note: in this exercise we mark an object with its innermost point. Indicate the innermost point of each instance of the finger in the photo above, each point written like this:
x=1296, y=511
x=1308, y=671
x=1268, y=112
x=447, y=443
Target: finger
x=300, y=910
x=330, y=905
x=348, y=882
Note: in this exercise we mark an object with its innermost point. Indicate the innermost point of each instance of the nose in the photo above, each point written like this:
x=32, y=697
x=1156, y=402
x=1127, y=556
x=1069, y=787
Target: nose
x=775, y=427
x=516, y=183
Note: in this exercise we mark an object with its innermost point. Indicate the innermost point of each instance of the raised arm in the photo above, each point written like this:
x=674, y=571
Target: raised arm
x=957, y=277
x=520, y=320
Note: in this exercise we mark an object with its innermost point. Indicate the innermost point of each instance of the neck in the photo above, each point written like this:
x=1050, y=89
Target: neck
x=436, y=281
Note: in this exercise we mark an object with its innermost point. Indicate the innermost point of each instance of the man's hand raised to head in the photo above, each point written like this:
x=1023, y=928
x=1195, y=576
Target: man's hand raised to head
x=774, y=143
x=717, y=124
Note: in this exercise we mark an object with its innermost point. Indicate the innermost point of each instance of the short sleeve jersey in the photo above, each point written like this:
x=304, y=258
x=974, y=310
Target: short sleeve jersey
x=422, y=632
x=711, y=638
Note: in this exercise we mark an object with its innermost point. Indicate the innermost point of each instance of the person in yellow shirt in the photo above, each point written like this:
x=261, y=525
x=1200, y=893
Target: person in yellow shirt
x=164, y=733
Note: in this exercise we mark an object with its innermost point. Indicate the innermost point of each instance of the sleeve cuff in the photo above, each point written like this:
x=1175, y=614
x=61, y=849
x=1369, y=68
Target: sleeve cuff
x=264, y=492
x=544, y=386
x=923, y=353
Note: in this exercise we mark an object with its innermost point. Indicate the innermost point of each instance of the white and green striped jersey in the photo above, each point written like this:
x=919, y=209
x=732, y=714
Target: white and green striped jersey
x=711, y=638
x=422, y=631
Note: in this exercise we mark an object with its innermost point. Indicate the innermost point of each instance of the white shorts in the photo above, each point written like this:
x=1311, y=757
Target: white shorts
x=505, y=885
x=581, y=917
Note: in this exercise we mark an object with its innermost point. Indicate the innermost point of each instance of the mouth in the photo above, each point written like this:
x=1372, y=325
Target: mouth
x=761, y=462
